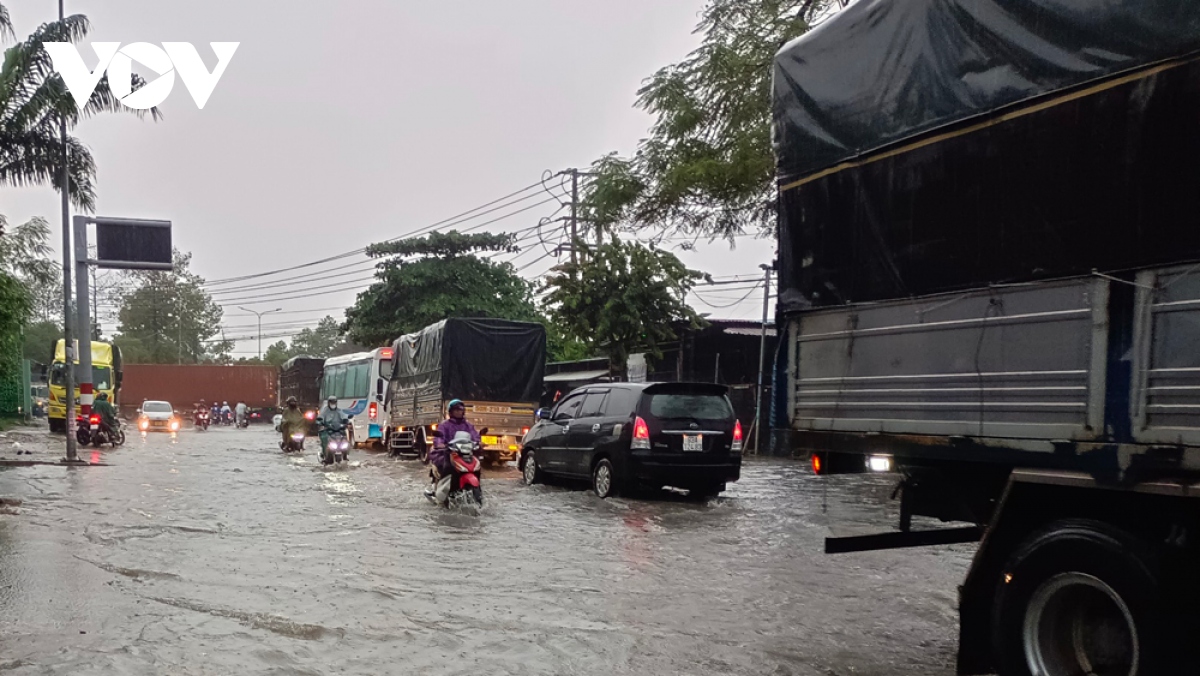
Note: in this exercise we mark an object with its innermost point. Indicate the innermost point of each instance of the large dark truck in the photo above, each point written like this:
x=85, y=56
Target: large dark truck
x=495, y=366
x=300, y=377
x=989, y=254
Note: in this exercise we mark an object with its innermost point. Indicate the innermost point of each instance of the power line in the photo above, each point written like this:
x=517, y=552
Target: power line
x=428, y=228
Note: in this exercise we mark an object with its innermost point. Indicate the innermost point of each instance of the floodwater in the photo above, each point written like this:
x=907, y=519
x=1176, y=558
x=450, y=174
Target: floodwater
x=213, y=553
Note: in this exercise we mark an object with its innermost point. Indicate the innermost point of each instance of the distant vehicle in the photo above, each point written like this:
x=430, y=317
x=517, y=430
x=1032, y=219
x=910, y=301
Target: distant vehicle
x=495, y=366
x=360, y=381
x=300, y=377
x=626, y=436
x=106, y=377
x=157, y=416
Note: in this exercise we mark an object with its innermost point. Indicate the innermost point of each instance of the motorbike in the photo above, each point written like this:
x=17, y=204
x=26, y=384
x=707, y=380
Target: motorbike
x=89, y=431
x=462, y=484
x=227, y=418
x=201, y=420
x=294, y=443
x=338, y=448
x=243, y=422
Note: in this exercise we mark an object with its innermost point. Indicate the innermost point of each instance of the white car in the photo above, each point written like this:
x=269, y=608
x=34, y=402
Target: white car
x=157, y=416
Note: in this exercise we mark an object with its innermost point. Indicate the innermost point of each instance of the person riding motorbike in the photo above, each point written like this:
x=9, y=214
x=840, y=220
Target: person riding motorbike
x=293, y=420
x=107, y=412
x=241, y=410
x=439, y=456
x=226, y=412
x=330, y=419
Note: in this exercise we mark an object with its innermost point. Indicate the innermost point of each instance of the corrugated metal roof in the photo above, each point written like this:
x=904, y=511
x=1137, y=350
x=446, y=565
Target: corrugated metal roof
x=574, y=376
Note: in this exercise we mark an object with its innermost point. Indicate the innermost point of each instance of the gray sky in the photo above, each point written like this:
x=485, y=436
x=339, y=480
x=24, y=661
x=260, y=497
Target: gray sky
x=335, y=128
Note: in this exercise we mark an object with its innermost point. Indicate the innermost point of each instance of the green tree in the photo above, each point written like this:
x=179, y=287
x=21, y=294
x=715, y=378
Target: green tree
x=167, y=317
x=706, y=167
x=621, y=297
x=319, y=341
x=33, y=99
x=39, y=341
x=441, y=275
x=277, y=353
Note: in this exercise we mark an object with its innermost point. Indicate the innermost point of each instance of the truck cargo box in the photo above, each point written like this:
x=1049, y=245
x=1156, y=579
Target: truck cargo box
x=475, y=359
x=185, y=384
x=934, y=145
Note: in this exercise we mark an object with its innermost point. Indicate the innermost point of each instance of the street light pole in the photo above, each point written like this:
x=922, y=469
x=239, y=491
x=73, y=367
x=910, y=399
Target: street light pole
x=260, y=316
x=68, y=345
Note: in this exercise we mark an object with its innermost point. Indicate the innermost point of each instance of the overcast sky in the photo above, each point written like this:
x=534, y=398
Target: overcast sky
x=336, y=127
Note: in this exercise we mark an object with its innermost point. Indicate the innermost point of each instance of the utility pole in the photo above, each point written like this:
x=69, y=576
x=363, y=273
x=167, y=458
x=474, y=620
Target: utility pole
x=574, y=213
x=68, y=345
x=260, y=316
x=762, y=353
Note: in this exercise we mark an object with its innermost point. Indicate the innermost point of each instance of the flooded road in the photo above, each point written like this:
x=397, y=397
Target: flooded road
x=213, y=553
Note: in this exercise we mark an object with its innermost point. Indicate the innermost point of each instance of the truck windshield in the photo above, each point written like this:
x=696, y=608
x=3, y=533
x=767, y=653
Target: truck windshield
x=101, y=377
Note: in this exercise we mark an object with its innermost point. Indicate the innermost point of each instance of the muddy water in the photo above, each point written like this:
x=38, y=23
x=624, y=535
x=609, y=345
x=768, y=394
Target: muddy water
x=212, y=553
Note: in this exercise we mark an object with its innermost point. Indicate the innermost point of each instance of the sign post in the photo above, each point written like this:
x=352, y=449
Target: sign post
x=121, y=243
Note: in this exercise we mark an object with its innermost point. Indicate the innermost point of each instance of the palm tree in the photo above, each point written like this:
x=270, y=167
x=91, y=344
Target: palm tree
x=33, y=99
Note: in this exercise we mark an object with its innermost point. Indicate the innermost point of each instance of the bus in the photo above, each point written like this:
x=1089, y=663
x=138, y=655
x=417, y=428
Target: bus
x=106, y=378
x=360, y=383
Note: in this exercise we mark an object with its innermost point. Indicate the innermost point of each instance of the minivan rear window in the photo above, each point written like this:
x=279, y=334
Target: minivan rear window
x=690, y=406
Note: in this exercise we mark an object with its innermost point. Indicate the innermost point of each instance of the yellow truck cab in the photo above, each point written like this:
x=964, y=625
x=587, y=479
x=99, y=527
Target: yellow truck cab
x=106, y=377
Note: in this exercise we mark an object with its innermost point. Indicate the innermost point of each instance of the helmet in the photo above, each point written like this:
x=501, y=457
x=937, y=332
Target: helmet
x=224, y=403
x=103, y=396
x=455, y=402
x=291, y=400
x=332, y=400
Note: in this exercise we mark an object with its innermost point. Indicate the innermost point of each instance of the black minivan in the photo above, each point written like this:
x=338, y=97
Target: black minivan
x=626, y=436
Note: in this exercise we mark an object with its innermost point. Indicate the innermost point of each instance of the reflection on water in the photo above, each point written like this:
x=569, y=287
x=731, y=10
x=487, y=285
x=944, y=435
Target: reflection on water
x=216, y=553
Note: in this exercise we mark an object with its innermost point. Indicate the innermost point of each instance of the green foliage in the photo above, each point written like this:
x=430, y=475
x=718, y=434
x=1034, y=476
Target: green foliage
x=426, y=280
x=168, y=318
x=38, y=341
x=621, y=297
x=277, y=353
x=707, y=166
x=319, y=341
x=14, y=312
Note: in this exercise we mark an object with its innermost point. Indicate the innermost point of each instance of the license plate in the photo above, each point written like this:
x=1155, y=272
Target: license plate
x=490, y=440
x=693, y=442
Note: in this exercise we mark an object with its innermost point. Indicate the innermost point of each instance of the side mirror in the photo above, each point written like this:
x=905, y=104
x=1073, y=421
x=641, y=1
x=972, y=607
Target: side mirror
x=542, y=414
x=483, y=431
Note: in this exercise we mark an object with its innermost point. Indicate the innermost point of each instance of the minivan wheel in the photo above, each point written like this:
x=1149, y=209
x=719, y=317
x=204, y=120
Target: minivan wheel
x=604, y=480
x=1080, y=597
x=530, y=471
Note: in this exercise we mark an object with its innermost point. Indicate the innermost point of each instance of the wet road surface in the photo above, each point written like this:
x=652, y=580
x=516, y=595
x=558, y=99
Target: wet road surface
x=212, y=553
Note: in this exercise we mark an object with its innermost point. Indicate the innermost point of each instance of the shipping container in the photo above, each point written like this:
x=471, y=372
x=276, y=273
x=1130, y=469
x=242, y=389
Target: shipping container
x=185, y=384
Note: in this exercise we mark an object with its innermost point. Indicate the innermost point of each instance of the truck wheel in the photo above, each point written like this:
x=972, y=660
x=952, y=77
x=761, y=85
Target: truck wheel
x=421, y=447
x=1078, y=597
x=604, y=479
x=530, y=472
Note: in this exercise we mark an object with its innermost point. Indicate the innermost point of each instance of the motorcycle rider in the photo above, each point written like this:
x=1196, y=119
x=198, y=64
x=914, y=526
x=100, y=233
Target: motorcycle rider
x=439, y=456
x=293, y=420
x=107, y=412
x=197, y=409
x=226, y=412
x=242, y=410
x=330, y=419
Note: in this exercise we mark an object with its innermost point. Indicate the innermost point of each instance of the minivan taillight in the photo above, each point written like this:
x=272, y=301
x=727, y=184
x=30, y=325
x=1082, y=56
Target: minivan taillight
x=373, y=410
x=737, y=437
x=641, y=436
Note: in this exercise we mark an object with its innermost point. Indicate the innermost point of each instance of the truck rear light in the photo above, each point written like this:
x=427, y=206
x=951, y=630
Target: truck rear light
x=374, y=410
x=524, y=431
x=816, y=463
x=879, y=463
x=641, y=435
x=386, y=353
x=737, y=436
x=309, y=415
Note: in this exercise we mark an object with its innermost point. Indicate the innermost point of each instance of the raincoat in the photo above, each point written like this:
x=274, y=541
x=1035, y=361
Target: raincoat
x=108, y=414
x=330, y=419
x=439, y=456
x=293, y=422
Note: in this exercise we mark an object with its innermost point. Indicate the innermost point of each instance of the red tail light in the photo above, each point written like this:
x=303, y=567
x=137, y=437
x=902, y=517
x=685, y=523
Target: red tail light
x=373, y=409
x=641, y=435
x=816, y=463
x=95, y=420
x=309, y=415
x=737, y=436
x=385, y=353
x=524, y=431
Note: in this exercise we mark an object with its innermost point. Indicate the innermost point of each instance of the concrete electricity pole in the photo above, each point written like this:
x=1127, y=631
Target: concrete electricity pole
x=68, y=344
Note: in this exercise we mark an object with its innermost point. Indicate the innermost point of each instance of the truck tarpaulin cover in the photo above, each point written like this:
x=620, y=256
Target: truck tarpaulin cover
x=929, y=145
x=479, y=359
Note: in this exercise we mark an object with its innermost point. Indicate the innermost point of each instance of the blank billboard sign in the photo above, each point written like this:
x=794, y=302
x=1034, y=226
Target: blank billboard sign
x=129, y=244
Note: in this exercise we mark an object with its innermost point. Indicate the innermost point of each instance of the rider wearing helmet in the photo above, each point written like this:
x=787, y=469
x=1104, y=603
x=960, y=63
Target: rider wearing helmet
x=439, y=457
x=108, y=414
x=330, y=419
x=293, y=420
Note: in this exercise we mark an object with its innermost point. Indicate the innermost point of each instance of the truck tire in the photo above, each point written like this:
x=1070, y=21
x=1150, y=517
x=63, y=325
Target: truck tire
x=1079, y=597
